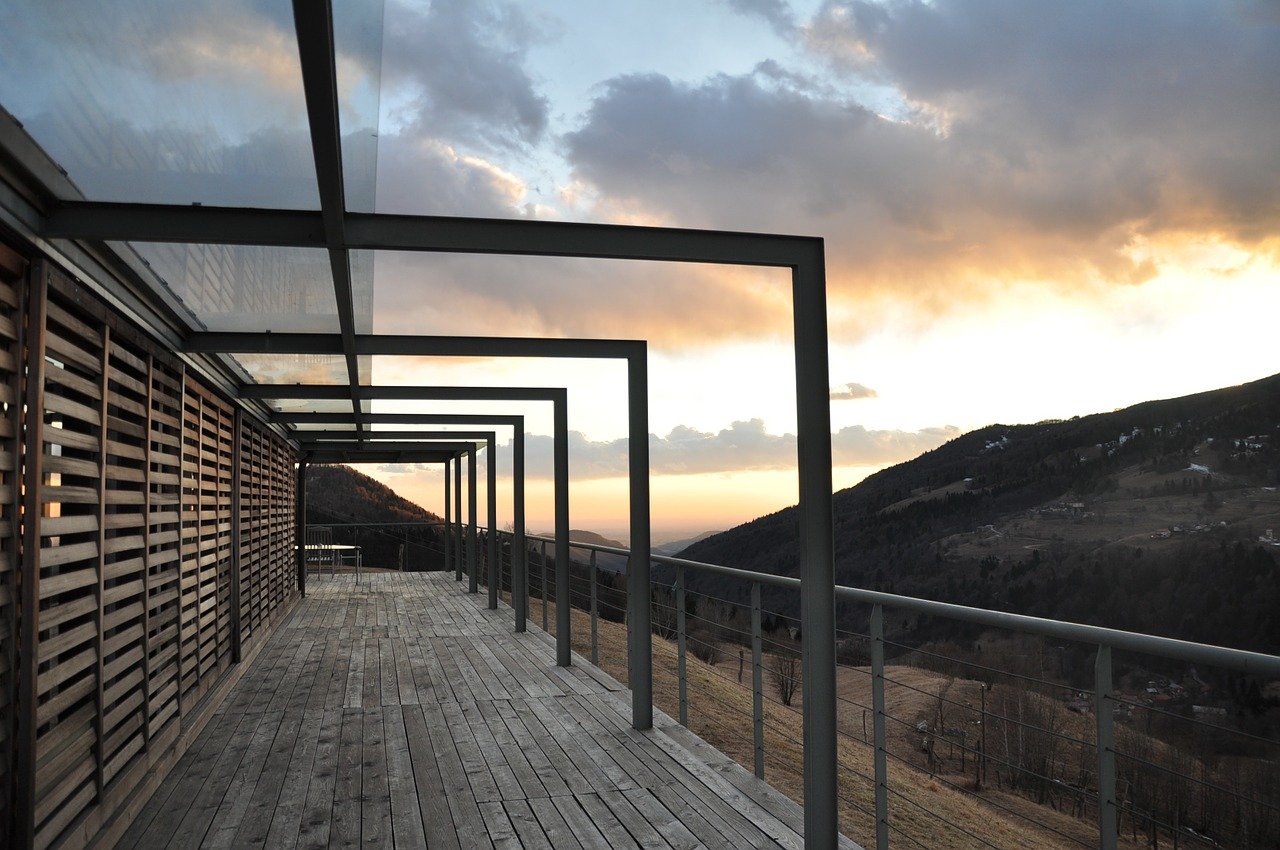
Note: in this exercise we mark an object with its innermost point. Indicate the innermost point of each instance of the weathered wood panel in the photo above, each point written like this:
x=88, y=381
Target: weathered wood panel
x=12, y=269
x=128, y=567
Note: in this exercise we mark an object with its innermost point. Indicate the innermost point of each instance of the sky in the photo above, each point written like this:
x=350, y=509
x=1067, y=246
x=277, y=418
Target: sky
x=1030, y=210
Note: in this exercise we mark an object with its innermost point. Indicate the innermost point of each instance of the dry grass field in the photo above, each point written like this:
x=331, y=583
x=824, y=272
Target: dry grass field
x=925, y=811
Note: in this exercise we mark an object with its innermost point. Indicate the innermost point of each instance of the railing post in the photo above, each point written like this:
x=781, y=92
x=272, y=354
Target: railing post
x=564, y=599
x=1104, y=709
x=473, y=545
x=300, y=526
x=457, y=516
x=544, y=586
x=595, y=613
x=757, y=679
x=519, y=548
x=681, y=670
x=878, y=727
x=447, y=530
x=491, y=540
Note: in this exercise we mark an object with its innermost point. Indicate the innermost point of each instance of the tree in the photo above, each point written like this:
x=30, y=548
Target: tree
x=784, y=672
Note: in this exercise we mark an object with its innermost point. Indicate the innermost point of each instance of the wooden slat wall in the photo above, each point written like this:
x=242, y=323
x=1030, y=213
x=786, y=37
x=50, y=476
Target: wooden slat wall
x=135, y=559
x=11, y=269
x=267, y=577
x=207, y=434
x=71, y=617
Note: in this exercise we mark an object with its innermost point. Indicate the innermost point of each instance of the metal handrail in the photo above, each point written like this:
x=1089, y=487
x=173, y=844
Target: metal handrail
x=1105, y=640
x=1245, y=661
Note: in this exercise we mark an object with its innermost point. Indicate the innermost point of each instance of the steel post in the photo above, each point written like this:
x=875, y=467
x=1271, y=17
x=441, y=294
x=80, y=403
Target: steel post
x=519, y=550
x=457, y=513
x=878, y=733
x=300, y=527
x=639, y=634
x=543, y=582
x=757, y=680
x=564, y=609
x=681, y=667
x=447, y=530
x=472, y=531
x=817, y=548
x=595, y=613
x=1103, y=707
x=492, y=566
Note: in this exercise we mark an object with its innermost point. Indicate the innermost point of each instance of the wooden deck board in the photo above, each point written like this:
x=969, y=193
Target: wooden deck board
x=400, y=712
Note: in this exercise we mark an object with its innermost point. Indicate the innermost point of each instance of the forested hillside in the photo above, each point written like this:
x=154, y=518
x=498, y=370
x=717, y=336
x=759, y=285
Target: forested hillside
x=369, y=514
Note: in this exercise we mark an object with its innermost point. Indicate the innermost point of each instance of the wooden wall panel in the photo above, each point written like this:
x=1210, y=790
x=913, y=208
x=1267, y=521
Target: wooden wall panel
x=267, y=536
x=69, y=646
x=12, y=269
x=130, y=558
x=205, y=649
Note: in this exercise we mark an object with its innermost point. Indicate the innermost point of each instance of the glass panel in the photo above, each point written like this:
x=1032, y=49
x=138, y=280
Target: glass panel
x=325, y=405
x=242, y=288
x=161, y=102
x=295, y=368
x=357, y=34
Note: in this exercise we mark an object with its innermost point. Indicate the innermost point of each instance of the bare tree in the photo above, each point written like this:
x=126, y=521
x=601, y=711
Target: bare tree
x=784, y=672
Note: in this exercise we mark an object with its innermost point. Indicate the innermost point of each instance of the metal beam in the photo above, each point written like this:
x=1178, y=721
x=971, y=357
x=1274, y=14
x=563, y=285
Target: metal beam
x=447, y=234
x=559, y=399
x=390, y=345
x=313, y=23
x=397, y=393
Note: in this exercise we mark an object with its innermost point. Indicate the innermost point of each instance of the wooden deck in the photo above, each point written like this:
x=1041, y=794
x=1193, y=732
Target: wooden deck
x=402, y=713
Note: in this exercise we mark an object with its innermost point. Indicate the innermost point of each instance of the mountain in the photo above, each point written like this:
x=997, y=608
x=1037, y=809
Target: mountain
x=1163, y=517
x=672, y=547
x=604, y=560
x=363, y=512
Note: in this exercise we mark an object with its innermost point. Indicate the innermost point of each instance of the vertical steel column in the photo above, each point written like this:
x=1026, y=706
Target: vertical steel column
x=681, y=667
x=543, y=589
x=817, y=548
x=460, y=540
x=564, y=603
x=595, y=614
x=1103, y=707
x=33, y=483
x=472, y=543
x=236, y=563
x=878, y=728
x=639, y=593
x=493, y=570
x=300, y=529
x=519, y=548
x=447, y=531
x=757, y=680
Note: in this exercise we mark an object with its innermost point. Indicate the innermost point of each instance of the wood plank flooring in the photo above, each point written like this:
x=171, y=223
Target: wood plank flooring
x=401, y=713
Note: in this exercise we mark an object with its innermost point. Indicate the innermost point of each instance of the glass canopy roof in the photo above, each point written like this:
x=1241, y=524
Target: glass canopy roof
x=201, y=102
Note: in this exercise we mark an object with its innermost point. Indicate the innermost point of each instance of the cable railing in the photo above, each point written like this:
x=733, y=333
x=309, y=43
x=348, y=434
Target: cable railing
x=1060, y=758
x=981, y=751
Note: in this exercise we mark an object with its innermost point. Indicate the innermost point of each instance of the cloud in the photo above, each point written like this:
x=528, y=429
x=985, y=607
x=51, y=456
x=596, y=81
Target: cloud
x=744, y=445
x=457, y=72
x=853, y=391
x=777, y=13
x=1029, y=142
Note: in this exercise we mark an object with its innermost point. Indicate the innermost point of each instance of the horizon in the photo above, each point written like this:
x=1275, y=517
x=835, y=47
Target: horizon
x=1030, y=211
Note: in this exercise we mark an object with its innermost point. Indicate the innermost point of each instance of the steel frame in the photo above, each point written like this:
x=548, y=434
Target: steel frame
x=559, y=399
x=340, y=231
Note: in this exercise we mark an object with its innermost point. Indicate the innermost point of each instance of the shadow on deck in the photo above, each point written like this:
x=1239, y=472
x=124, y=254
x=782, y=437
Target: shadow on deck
x=401, y=712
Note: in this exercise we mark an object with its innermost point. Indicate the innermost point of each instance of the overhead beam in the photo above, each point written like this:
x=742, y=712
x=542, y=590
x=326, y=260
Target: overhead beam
x=447, y=234
x=391, y=345
x=398, y=393
x=313, y=23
